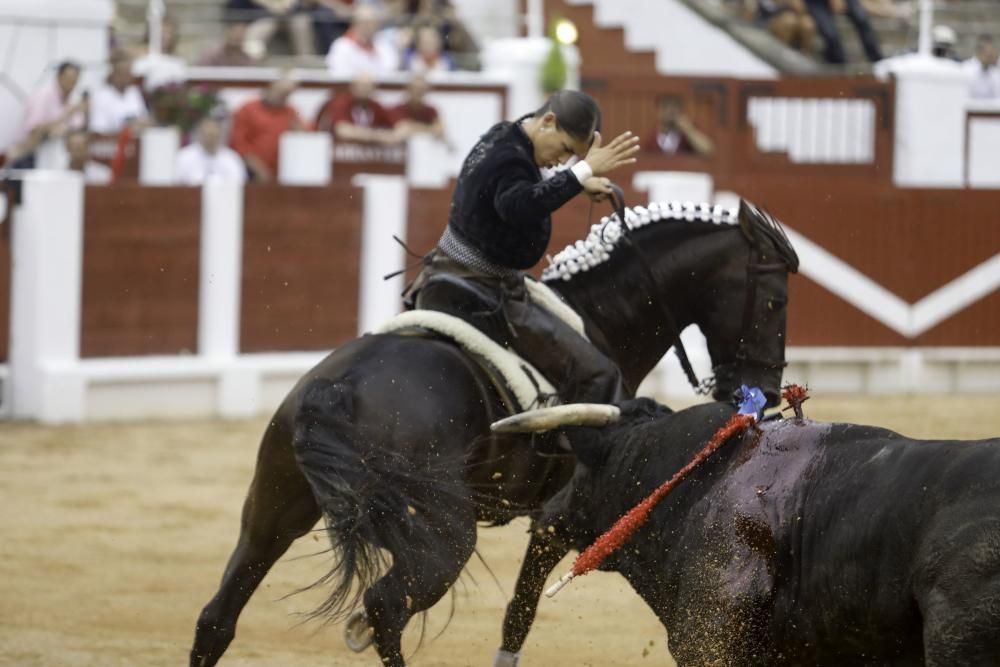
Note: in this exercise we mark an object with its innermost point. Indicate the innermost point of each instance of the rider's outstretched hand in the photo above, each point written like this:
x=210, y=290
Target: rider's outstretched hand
x=620, y=151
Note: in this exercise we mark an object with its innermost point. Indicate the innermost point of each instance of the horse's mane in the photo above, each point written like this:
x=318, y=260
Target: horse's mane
x=607, y=236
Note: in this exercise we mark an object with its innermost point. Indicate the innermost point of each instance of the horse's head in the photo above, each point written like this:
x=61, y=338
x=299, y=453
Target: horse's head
x=744, y=321
x=639, y=284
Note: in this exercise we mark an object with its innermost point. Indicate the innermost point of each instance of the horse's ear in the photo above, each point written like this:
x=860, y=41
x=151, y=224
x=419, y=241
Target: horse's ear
x=749, y=217
x=591, y=445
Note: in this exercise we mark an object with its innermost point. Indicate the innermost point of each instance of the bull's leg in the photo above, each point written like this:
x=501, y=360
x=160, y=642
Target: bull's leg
x=279, y=509
x=542, y=555
x=418, y=578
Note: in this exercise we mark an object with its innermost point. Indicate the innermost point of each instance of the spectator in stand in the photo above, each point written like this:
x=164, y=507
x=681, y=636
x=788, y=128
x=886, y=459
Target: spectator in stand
x=163, y=68
x=117, y=102
x=943, y=40
x=231, y=53
x=266, y=17
x=822, y=12
x=358, y=51
x=788, y=20
x=356, y=116
x=169, y=39
x=78, y=149
x=51, y=112
x=676, y=134
x=258, y=126
x=209, y=157
x=426, y=54
x=984, y=76
x=456, y=37
x=415, y=115
x=330, y=19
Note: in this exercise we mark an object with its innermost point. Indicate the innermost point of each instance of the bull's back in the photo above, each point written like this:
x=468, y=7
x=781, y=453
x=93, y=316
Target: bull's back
x=876, y=509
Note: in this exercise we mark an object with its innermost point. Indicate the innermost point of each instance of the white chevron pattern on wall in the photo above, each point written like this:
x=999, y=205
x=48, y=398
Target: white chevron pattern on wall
x=910, y=320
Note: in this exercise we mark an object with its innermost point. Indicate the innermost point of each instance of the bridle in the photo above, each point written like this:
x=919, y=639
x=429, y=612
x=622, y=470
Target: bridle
x=755, y=268
x=743, y=357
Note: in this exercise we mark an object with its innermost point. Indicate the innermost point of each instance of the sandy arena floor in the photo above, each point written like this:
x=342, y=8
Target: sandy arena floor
x=114, y=537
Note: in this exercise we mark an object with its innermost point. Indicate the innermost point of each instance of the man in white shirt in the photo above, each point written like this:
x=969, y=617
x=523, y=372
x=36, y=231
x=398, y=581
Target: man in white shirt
x=984, y=75
x=358, y=51
x=78, y=150
x=209, y=157
x=118, y=101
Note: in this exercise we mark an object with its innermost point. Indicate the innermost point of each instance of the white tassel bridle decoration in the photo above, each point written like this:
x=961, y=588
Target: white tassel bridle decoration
x=605, y=235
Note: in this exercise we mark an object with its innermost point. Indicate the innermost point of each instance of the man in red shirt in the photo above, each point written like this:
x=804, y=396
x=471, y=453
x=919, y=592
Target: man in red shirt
x=356, y=116
x=258, y=126
x=414, y=115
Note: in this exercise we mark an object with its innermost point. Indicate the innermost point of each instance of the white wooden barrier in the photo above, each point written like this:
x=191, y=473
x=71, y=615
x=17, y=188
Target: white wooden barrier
x=47, y=380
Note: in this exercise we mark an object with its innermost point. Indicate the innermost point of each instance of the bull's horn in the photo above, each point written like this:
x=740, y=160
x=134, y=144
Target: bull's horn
x=546, y=419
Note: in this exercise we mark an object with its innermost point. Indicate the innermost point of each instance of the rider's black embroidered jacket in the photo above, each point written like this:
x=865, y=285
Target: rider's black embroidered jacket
x=502, y=206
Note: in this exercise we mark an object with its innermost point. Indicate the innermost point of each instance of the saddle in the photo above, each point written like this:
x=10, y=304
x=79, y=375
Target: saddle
x=460, y=308
x=467, y=300
x=517, y=381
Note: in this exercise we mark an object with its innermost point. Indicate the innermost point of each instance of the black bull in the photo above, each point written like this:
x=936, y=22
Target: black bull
x=804, y=544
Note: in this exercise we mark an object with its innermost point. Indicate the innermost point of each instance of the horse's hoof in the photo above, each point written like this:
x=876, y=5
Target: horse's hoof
x=357, y=632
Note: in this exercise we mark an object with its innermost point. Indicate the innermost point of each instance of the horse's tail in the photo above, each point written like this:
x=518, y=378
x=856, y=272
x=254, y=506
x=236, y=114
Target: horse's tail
x=373, y=500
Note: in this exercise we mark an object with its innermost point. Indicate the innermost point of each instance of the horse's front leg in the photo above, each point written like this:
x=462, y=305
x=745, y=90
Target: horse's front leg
x=544, y=552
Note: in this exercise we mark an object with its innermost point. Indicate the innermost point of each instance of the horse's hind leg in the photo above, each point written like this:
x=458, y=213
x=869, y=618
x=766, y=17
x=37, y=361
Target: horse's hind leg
x=279, y=509
x=416, y=581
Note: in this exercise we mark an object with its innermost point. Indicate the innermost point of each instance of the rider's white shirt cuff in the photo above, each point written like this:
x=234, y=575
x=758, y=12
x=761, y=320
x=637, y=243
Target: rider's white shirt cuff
x=582, y=170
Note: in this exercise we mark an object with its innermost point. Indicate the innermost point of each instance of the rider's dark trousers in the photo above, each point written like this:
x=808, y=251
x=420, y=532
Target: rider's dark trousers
x=502, y=309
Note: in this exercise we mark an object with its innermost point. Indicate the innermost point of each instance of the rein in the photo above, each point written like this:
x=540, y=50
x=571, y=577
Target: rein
x=701, y=388
x=754, y=269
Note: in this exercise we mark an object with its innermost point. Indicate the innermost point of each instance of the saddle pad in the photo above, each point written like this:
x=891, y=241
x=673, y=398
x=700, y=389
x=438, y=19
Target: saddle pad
x=546, y=297
x=515, y=371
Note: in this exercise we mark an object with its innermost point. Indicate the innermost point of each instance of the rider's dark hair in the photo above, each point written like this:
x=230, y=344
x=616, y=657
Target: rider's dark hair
x=576, y=113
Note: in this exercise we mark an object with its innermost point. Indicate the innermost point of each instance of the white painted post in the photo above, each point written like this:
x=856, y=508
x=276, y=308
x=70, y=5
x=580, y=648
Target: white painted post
x=681, y=186
x=221, y=268
x=219, y=296
x=52, y=154
x=929, y=132
x=154, y=17
x=924, y=41
x=47, y=257
x=305, y=158
x=535, y=18
x=385, y=214
x=158, y=155
x=428, y=162
x=519, y=62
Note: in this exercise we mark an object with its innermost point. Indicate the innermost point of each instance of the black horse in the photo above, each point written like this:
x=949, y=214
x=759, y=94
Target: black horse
x=388, y=438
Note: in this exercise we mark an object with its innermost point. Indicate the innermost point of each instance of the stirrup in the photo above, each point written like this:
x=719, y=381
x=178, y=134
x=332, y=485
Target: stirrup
x=358, y=634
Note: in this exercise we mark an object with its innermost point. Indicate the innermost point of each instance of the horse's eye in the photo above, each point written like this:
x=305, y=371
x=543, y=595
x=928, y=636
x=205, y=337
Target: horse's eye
x=776, y=304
